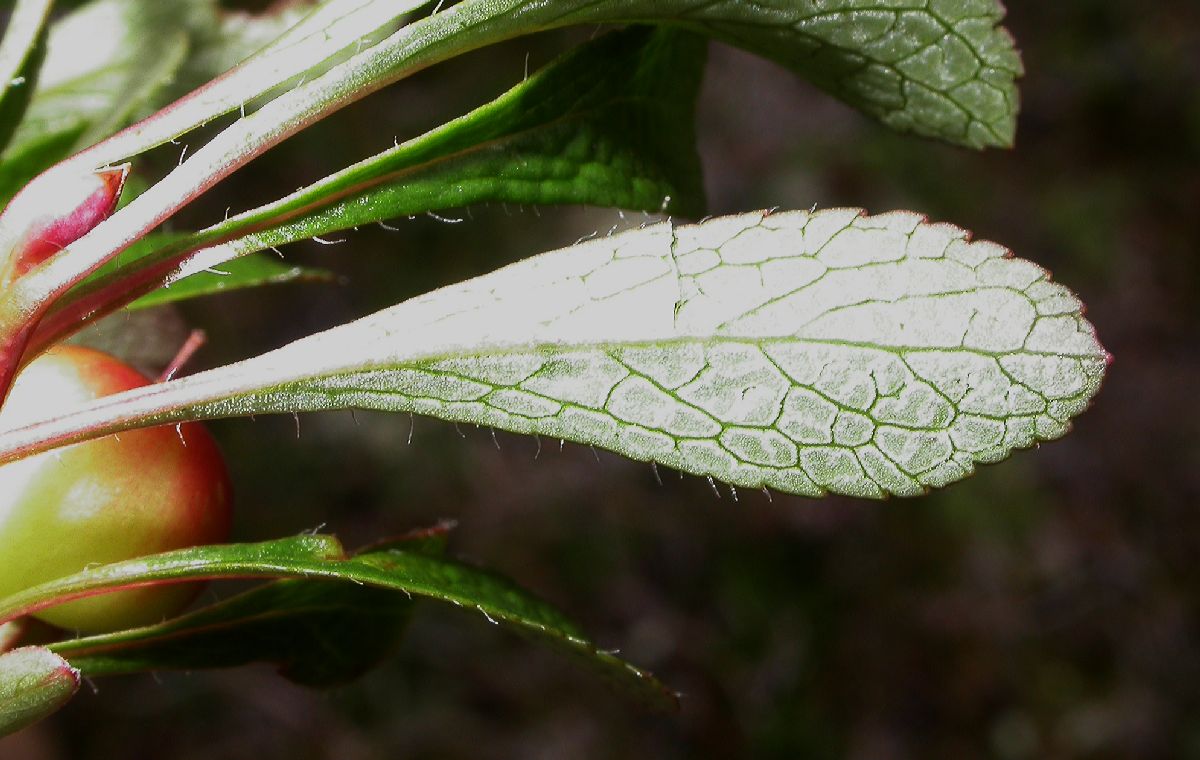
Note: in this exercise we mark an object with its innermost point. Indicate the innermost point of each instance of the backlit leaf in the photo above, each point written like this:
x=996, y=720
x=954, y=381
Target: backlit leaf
x=807, y=352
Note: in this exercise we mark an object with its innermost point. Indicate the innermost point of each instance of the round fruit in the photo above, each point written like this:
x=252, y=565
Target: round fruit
x=106, y=500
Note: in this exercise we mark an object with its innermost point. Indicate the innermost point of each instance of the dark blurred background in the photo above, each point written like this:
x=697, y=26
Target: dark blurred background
x=1046, y=608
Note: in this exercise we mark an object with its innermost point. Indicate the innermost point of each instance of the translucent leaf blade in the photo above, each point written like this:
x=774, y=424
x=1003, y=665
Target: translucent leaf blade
x=806, y=352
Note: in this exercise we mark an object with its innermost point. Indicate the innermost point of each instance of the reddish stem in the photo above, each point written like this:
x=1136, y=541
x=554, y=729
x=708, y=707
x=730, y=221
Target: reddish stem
x=195, y=340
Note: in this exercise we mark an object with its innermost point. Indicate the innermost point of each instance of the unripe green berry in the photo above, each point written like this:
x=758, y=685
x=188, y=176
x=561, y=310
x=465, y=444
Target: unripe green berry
x=105, y=500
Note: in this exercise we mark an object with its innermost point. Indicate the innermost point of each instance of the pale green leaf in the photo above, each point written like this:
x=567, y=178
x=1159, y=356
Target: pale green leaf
x=807, y=352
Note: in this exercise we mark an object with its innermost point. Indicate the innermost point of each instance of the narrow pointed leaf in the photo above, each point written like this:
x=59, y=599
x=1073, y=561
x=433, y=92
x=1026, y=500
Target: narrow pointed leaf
x=319, y=633
x=414, y=573
x=255, y=270
x=21, y=53
x=807, y=352
x=34, y=683
x=299, y=555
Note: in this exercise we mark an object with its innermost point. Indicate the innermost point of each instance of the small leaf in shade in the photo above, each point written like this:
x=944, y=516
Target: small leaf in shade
x=34, y=683
x=319, y=633
x=297, y=555
x=245, y=272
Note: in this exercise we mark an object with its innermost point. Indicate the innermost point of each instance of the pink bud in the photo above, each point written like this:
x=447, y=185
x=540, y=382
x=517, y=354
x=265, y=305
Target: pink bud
x=54, y=210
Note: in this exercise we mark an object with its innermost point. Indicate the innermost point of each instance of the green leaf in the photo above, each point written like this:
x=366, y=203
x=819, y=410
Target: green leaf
x=319, y=633
x=807, y=352
x=608, y=124
x=270, y=559
x=197, y=280
x=415, y=573
x=940, y=68
x=944, y=69
x=34, y=683
x=237, y=274
x=105, y=64
x=21, y=54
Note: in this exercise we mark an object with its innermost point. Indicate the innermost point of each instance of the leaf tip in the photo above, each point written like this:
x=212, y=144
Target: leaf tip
x=54, y=210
